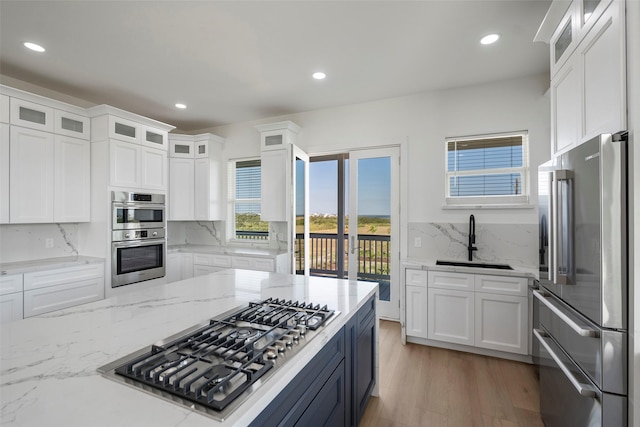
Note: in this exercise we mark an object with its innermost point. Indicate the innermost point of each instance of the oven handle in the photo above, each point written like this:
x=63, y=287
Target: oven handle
x=583, y=389
x=584, y=332
x=137, y=205
x=132, y=243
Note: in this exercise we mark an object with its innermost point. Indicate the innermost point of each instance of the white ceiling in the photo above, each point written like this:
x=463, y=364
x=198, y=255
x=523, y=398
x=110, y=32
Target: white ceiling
x=233, y=61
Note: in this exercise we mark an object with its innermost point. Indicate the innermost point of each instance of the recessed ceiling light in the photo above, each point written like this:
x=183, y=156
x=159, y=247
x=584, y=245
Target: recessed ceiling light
x=319, y=75
x=491, y=38
x=181, y=106
x=33, y=46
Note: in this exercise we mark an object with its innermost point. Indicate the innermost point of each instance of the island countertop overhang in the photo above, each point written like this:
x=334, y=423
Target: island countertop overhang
x=49, y=362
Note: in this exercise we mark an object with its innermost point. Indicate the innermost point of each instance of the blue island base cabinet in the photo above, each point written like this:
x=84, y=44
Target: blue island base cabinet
x=335, y=387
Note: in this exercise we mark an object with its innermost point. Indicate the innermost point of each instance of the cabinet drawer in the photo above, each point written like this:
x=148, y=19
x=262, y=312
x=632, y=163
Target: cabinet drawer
x=31, y=115
x=221, y=260
x=447, y=280
x=502, y=285
x=416, y=278
x=62, y=276
x=201, y=270
x=10, y=284
x=72, y=125
x=202, y=259
x=51, y=298
x=262, y=264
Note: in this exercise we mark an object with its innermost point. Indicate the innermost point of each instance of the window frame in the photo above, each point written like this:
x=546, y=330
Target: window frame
x=520, y=200
x=232, y=201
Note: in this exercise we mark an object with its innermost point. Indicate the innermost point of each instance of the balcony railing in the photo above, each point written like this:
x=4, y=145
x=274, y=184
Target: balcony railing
x=374, y=253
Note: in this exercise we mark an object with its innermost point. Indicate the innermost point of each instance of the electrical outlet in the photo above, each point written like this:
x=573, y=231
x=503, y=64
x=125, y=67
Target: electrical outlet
x=48, y=243
x=417, y=242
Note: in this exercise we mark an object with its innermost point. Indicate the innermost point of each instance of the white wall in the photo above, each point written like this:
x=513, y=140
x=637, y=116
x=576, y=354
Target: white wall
x=424, y=120
x=633, y=101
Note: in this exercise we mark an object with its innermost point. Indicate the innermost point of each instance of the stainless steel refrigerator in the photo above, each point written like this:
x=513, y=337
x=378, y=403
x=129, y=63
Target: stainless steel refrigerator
x=580, y=308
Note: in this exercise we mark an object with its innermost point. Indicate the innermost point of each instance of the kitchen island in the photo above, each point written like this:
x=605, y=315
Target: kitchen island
x=48, y=363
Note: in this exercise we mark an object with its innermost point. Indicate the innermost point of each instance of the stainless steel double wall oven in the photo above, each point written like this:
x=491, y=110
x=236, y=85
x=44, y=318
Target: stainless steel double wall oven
x=138, y=237
x=580, y=310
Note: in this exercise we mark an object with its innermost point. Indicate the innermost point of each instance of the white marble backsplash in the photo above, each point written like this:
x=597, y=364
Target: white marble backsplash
x=214, y=232
x=513, y=244
x=26, y=242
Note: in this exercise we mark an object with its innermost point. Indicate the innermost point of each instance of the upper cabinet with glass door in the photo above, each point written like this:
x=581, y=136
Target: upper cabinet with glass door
x=588, y=70
x=112, y=123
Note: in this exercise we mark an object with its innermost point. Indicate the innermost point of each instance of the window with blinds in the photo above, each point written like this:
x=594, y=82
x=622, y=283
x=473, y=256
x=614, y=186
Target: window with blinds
x=490, y=169
x=245, y=201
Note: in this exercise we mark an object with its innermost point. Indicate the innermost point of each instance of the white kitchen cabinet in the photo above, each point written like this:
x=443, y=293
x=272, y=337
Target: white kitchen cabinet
x=275, y=166
x=73, y=125
x=4, y=108
x=186, y=269
x=501, y=322
x=124, y=164
x=209, y=203
x=588, y=73
x=154, y=138
x=181, y=189
x=11, y=288
x=480, y=310
x=31, y=181
x=601, y=56
x=506, y=285
x=416, y=298
x=50, y=290
x=450, y=280
x=565, y=108
x=181, y=146
x=201, y=270
x=153, y=169
x=11, y=307
x=173, y=268
x=72, y=180
x=451, y=316
x=136, y=166
x=253, y=263
x=4, y=173
x=31, y=115
x=196, y=181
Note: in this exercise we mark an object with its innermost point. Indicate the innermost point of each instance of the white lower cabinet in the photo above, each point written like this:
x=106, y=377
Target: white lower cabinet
x=479, y=310
x=201, y=270
x=451, y=316
x=501, y=322
x=173, y=271
x=50, y=290
x=11, y=297
x=416, y=297
x=249, y=263
x=11, y=307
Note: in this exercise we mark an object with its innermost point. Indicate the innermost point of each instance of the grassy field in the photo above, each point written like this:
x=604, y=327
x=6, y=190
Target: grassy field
x=318, y=224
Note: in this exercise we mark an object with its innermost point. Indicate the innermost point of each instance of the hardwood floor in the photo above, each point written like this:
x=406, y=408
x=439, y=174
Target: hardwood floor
x=429, y=386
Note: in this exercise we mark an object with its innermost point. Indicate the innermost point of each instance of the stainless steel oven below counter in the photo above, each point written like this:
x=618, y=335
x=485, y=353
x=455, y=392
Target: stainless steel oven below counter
x=137, y=255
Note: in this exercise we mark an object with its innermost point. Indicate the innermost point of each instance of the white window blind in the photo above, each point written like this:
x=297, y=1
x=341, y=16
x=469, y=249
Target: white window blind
x=245, y=200
x=490, y=169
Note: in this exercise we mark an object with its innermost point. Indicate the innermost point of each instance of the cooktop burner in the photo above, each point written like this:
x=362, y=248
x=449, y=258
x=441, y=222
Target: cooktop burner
x=213, y=367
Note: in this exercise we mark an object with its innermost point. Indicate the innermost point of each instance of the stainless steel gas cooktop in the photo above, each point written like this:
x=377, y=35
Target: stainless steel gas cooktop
x=213, y=367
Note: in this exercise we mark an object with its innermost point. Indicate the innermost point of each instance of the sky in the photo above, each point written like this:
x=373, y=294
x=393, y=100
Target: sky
x=374, y=195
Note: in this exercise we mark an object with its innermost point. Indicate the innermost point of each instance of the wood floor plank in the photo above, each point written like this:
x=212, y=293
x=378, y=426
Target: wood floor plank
x=429, y=386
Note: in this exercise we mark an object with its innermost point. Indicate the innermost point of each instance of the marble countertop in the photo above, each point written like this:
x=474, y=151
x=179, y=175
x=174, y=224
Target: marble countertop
x=48, y=363
x=46, y=264
x=518, y=271
x=225, y=250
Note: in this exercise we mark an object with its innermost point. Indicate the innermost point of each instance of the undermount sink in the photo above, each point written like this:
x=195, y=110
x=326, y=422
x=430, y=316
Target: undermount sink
x=474, y=264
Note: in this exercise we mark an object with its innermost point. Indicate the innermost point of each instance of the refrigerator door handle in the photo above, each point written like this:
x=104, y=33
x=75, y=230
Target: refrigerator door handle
x=583, y=389
x=584, y=332
x=562, y=210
